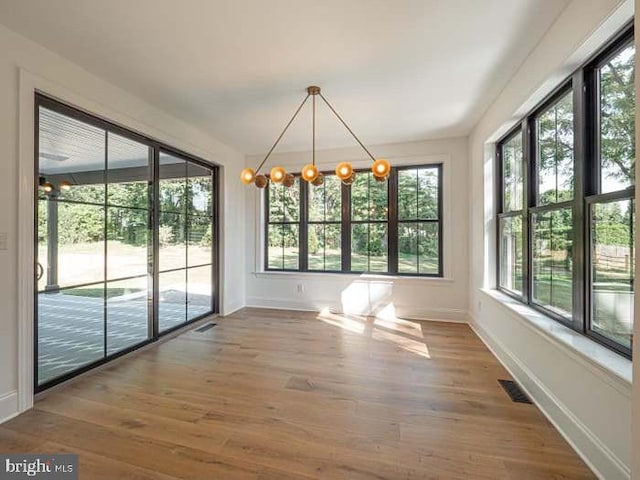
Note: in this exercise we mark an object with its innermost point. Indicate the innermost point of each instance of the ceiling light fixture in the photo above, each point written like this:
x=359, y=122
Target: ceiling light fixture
x=381, y=167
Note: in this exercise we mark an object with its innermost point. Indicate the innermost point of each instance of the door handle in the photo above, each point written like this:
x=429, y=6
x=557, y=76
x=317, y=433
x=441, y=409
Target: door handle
x=40, y=270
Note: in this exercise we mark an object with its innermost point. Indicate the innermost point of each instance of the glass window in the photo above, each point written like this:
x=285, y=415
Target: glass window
x=325, y=228
x=554, y=162
x=369, y=231
x=511, y=253
x=403, y=212
x=283, y=231
x=577, y=230
x=552, y=261
x=418, y=220
x=612, y=270
x=512, y=174
x=617, y=121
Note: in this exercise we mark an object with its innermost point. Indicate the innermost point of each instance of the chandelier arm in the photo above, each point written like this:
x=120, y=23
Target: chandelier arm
x=283, y=132
x=346, y=126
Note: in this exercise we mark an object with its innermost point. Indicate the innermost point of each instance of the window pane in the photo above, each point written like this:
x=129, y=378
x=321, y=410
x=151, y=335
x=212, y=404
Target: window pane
x=199, y=250
x=127, y=242
x=369, y=247
x=284, y=202
x=325, y=201
x=173, y=183
x=617, y=121
x=283, y=249
x=512, y=174
x=80, y=237
x=612, y=258
x=73, y=152
x=511, y=258
x=554, y=130
x=199, y=291
x=429, y=248
x=552, y=260
x=325, y=251
x=428, y=193
x=70, y=330
x=408, y=194
x=128, y=172
x=369, y=199
x=127, y=315
x=173, y=244
x=172, y=303
x=200, y=189
x=276, y=202
x=418, y=194
x=408, y=248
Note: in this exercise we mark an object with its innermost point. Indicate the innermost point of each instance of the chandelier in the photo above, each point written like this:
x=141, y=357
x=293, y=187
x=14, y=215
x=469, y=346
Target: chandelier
x=310, y=173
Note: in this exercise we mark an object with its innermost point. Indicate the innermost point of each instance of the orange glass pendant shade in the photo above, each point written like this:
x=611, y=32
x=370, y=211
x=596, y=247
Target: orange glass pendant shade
x=344, y=170
x=381, y=168
x=48, y=187
x=261, y=181
x=277, y=174
x=289, y=180
x=309, y=173
x=248, y=175
x=64, y=186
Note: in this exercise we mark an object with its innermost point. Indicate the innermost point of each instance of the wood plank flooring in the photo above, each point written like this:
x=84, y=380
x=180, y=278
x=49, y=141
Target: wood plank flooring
x=280, y=395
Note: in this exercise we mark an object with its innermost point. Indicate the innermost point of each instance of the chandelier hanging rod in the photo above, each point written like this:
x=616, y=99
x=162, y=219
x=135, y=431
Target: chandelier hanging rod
x=283, y=132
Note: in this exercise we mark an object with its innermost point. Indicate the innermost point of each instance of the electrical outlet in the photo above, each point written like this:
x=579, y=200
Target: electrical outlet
x=300, y=288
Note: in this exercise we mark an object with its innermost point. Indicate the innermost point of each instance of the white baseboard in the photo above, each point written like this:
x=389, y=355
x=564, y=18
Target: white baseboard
x=402, y=311
x=602, y=461
x=275, y=303
x=230, y=310
x=8, y=406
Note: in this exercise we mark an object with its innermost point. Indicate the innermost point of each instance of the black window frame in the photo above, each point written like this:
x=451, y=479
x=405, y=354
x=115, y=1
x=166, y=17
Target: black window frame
x=44, y=100
x=583, y=84
x=347, y=222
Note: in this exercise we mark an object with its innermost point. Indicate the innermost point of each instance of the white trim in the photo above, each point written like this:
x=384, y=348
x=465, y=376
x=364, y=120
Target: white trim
x=231, y=310
x=8, y=406
x=602, y=461
x=602, y=362
x=332, y=276
x=408, y=312
x=26, y=260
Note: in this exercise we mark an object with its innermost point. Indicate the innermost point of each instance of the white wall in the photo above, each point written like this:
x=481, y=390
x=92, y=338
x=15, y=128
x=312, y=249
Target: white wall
x=24, y=66
x=412, y=297
x=590, y=406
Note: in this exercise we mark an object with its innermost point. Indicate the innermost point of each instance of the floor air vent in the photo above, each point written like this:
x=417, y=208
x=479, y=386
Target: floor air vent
x=206, y=327
x=514, y=391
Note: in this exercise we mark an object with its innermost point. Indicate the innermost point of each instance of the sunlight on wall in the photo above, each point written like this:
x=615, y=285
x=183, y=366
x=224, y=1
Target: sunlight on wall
x=366, y=297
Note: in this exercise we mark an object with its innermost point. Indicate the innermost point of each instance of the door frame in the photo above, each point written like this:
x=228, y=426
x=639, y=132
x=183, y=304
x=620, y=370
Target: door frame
x=30, y=86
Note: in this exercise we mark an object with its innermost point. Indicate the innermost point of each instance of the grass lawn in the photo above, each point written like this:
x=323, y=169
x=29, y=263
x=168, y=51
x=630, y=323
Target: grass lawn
x=407, y=262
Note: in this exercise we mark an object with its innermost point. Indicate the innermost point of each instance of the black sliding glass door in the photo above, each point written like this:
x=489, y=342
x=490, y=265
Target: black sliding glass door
x=125, y=241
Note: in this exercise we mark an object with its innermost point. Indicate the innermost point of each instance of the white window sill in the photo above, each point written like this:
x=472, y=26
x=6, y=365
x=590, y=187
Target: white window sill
x=329, y=276
x=585, y=349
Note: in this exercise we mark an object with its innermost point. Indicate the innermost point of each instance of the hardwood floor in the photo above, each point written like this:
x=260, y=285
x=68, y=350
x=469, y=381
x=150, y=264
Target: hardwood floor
x=279, y=395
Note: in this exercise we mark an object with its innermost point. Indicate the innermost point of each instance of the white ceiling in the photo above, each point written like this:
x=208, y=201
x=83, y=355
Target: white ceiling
x=397, y=70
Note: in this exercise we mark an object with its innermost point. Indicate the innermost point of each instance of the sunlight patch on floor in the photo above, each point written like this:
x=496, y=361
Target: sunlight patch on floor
x=405, y=334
